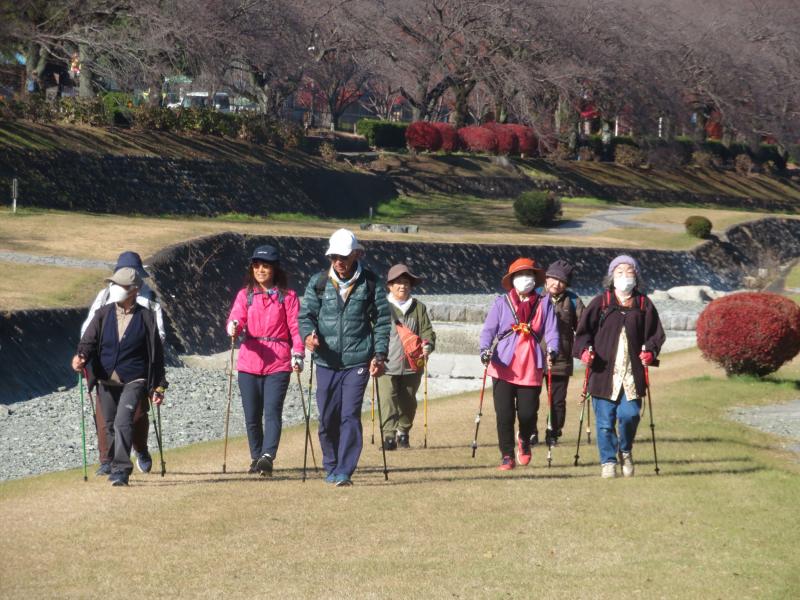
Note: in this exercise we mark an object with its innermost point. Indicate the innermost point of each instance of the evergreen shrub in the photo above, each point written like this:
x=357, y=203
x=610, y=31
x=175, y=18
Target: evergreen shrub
x=537, y=208
x=698, y=226
x=751, y=333
x=382, y=134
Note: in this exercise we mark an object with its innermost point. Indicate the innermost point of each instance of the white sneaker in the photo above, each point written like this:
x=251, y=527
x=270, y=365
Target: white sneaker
x=627, y=464
x=609, y=471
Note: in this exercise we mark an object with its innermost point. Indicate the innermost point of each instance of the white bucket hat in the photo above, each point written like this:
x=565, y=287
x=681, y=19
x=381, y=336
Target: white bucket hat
x=342, y=242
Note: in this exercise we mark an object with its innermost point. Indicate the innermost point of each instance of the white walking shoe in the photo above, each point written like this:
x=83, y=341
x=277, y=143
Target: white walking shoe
x=609, y=471
x=627, y=464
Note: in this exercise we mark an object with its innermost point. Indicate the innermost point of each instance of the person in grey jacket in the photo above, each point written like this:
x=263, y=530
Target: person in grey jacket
x=345, y=323
x=398, y=387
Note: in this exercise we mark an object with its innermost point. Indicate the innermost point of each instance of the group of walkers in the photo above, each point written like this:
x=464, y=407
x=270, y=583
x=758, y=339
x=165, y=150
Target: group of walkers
x=357, y=326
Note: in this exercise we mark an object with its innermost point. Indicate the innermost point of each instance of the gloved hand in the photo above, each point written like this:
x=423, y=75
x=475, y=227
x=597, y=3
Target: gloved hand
x=646, y=357
x=587, y=357
x=486, y=356
x=297, y=362
x=232, y=328
x=551, y=358
x=426, y=348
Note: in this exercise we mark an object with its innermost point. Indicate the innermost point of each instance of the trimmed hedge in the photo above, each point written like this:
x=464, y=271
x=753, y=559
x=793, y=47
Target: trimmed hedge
x=423, y=136
x=698, y=226
x=770, y=339
x=449, y=137
x=537, y=208
x=527, y=143
x=507, y=142
x=382, y=134
x=478, y=139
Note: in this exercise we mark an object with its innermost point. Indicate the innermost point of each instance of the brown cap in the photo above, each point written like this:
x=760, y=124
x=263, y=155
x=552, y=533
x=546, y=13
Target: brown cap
x=400, y=269
x=126, y=276
x=523, y=264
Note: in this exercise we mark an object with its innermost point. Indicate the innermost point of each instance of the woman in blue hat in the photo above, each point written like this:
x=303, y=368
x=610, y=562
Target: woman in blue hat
x=265, y=311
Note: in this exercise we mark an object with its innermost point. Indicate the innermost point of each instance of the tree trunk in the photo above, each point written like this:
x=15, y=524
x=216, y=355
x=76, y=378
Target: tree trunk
x=154, y=100
x=461, y=92
x=85, y=88
x=35, y=62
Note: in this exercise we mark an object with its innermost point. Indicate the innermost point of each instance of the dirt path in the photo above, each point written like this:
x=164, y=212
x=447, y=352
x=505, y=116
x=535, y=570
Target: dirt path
x=615, y=218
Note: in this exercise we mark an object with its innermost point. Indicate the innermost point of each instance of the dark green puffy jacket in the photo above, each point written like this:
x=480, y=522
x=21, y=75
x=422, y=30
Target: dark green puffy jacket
x=352, y=332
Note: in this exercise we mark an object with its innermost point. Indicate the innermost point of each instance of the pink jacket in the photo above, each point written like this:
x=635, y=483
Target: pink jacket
x=267, y=317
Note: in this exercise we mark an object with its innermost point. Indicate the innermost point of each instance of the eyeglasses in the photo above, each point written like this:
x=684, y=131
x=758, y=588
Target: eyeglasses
x=335, y=257
x=259, y=264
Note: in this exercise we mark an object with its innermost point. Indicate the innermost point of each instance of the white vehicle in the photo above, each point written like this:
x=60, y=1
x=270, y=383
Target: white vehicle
x=222, y=101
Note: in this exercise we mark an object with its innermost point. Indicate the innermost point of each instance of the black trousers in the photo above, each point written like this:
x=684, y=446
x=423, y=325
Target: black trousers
x=514, y=401
x=559, y=413
x=119, y=404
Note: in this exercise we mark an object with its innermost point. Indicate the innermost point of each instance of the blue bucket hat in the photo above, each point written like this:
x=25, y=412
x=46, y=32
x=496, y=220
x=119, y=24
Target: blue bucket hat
x=133, y=261
x=266, y=253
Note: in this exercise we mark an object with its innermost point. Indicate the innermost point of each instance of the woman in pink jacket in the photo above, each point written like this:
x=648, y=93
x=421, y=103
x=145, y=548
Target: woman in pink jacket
x=265, y=311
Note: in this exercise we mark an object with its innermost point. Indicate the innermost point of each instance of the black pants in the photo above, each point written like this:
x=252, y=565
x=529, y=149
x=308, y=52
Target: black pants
x=119, y=405
x=559, y=413
x=514, y=401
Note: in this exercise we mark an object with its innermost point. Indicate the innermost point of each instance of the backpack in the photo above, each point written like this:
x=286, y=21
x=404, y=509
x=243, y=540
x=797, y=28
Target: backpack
x=251, y=294
x=322, y=281
x=606, y=307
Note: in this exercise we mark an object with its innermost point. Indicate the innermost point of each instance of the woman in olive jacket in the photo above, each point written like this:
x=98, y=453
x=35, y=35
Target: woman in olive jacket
x=619, y=334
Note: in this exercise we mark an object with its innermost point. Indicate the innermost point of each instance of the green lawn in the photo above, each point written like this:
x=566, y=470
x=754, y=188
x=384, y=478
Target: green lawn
x=720, y=521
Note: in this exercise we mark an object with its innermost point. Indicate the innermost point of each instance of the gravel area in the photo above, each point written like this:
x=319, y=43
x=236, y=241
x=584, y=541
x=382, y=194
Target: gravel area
x=779, y=419
x=54, y=261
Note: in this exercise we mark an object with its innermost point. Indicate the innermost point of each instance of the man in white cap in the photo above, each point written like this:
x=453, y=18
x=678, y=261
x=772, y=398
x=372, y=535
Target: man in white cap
x=123, y=353
x=345, y=324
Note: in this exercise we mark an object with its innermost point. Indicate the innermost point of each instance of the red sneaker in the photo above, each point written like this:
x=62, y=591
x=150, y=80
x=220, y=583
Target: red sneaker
x=523, y=451
x=507, y=464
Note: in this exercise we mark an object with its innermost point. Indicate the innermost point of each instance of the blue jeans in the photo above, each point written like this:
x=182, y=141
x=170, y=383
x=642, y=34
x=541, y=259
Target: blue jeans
x=263, y=395
x=340, y=395
x=607, y=413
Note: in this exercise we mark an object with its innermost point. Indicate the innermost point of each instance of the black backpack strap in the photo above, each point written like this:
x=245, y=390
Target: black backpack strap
x=320, y=283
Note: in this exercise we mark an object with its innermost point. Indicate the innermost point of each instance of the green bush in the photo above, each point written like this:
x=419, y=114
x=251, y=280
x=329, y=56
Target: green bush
x=118, y=108
x=698, y=226
x=382, y=134
x=794, y=153
x=258, y=129
x=154, y=118
x=85, y=111
x=327, y=152
x=291, y=135
x=717, y=150
x=769, y=153
x=537, y=209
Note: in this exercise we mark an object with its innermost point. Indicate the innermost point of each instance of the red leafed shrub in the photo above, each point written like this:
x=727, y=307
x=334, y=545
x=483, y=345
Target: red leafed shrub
x=527, y=142
x=478, y=139
x=507, y=142
x=423, y=136
x=449, y=136
x=750, y=333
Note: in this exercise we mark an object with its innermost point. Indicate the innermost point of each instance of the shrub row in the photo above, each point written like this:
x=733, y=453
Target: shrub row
x=492, y=138
x=382, y=134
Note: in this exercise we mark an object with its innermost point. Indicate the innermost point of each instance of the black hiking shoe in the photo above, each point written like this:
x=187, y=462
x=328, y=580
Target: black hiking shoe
x=389, y=444
x=119, y=479
x=253, y=470
x=264, y=465
x=402, y=441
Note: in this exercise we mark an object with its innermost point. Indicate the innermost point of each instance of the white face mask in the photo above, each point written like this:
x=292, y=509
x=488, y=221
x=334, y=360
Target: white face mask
x=118, y=293
x=524, y=283
x=624, y=284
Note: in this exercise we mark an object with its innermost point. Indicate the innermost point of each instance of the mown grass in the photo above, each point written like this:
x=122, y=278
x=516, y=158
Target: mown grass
x=25, y=286
x=720, y=521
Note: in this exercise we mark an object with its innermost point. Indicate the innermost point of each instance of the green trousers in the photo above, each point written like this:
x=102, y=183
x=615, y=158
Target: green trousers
x=398, y=402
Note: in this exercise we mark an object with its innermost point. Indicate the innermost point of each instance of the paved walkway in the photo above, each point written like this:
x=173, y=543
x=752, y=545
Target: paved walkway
x=614, y=218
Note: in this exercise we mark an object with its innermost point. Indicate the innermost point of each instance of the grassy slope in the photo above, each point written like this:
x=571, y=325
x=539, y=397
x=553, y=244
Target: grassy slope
x=720, y=521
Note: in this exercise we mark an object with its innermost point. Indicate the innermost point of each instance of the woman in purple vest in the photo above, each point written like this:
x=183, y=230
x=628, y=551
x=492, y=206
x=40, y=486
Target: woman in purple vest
x=509, y=344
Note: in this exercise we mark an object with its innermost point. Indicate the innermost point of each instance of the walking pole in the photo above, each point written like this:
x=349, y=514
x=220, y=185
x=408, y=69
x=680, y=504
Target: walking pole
x=308, y=421
x=230, y=392
x=83, y=428
x=307, y=417
x=549, y=435
x=157, y=429
x=650, y=406
x=372, y=409
x=425, y=404
x=583, y=408
x=589, y=425
x=380, y=418
x=480, y=412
